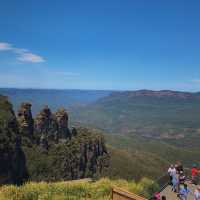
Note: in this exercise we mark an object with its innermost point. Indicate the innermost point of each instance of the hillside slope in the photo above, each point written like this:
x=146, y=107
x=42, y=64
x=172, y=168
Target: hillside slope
x=165, y=114
x=162, y=153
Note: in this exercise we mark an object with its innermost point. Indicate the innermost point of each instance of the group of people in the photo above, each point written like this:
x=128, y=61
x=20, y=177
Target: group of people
x=178, y=181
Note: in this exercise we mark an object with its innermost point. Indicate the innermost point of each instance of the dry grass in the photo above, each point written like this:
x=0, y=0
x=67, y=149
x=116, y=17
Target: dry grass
x=74, y=190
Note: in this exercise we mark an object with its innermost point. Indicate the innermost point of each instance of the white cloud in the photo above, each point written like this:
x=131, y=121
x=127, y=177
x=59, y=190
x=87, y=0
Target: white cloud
x=29, y=57
x=23, y=55
x=5, y=46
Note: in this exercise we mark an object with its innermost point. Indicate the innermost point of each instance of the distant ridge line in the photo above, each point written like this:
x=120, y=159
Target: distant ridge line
x=157, y=93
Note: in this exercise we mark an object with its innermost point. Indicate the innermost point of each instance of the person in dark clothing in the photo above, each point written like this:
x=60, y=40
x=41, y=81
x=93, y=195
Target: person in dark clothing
x=182, y=178
x=179, y=167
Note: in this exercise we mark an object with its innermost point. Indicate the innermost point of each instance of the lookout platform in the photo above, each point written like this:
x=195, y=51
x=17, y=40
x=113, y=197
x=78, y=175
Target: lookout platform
x=119, y=194
x=167, y=191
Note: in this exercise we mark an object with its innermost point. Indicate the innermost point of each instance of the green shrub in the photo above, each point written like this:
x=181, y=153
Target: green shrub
x=74, y=190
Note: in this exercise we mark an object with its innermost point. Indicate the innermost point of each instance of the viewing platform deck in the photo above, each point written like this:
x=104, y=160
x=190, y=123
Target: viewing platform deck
x=119, y=194
x=167, y=191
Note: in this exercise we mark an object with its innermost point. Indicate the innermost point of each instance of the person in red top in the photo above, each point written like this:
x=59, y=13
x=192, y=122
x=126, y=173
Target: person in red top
x=157, y=196
x=194, y=173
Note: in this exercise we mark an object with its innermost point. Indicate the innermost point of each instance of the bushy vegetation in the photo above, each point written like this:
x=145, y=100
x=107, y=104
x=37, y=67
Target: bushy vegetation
x=134, y=156
x=131, y=165
x=163, y=149
x=75, y=190
x=61, y=159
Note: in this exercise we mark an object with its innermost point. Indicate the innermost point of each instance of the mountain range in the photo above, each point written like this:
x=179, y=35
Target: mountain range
x=165, y=114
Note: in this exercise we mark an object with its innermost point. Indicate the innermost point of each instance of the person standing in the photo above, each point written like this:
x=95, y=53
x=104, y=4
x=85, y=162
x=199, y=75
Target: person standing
x=182, y=178
x=157, y=196
x=197, y=194
x=183, y=193
x=179, y=167
x=194, y=173
x=172, y=172
x=174, y=182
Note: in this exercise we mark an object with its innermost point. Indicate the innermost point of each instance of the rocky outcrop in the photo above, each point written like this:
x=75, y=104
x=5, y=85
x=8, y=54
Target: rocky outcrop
x=52, y=127
x=46, y=125
x=25, y=120
x=62, y=123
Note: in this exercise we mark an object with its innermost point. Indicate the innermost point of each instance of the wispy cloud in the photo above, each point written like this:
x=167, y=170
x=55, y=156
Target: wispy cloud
x=5, y=46
x=23, y=55
x=29, y=57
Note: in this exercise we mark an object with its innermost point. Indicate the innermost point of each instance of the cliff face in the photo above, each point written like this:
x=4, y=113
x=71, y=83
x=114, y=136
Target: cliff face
x=12, y=157
x=46, y=127
x=46, y=148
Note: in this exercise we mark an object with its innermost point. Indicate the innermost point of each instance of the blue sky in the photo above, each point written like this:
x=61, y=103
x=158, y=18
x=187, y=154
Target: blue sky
x=107, y=44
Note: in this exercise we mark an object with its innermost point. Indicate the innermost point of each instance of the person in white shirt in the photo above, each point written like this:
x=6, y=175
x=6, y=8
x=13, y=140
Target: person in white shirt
x=197, y=193
x=172, y=172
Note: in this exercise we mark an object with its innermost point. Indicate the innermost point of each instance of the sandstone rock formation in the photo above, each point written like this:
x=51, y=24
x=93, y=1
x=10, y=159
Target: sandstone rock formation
x=46, y=125
x=25, y=120
x=62, y=122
